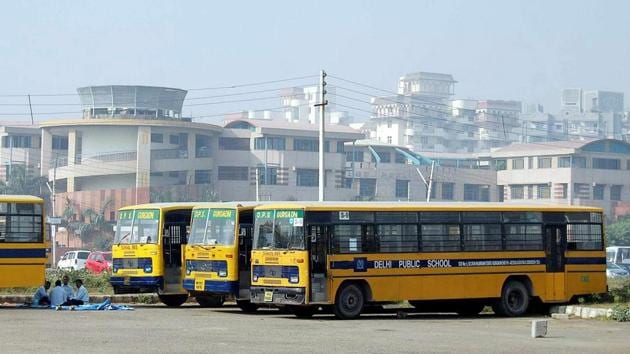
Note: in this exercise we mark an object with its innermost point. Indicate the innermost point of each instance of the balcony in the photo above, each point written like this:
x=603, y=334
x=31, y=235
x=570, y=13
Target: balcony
x=167, y=154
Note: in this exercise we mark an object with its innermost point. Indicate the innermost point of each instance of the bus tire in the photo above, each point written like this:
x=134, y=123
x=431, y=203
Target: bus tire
x=209, y=300
x=246, y=306
x=349, y=302
x=303, y=311
x=514, y=300
x=173, y=300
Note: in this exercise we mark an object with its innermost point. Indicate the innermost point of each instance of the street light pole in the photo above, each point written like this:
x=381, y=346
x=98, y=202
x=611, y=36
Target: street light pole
x=322, y=124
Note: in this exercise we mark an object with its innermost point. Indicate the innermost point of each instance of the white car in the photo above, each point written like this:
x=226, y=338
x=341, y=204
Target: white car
x=73, y=260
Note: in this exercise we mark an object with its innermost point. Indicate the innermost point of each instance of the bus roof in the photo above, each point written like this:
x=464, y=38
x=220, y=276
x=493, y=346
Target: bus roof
x=7, y=198
x=162, y=206
x=228, y=205
x=432, y=206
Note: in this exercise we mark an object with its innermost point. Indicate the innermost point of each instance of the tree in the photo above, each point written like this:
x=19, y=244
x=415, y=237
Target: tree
x=618, y=234
x=91, y=225
x=19, y=182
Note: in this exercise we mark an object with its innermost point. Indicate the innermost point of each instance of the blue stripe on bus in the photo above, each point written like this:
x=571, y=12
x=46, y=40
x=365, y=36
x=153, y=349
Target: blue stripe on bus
x=586, y=260
x=136, y=281
x=362, y=264
x=213, y=286
x=23, y=253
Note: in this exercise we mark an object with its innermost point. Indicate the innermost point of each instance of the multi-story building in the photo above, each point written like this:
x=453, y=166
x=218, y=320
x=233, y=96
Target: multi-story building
x=595, y=173
x=592, y=114
x=19, y=146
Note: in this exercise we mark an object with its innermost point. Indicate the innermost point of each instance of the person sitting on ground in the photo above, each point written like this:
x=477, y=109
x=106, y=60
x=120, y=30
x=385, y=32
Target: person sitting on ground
x=57, y=294
x=66, y=288
x=41, y=295
x=81, y=297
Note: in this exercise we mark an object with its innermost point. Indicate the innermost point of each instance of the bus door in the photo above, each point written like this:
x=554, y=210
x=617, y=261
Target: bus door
x=174, y=236
x=244, y=259
x=318, y=236
x=555, y=246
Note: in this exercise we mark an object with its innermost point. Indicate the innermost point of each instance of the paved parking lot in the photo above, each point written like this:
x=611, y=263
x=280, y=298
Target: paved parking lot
x=194, y=329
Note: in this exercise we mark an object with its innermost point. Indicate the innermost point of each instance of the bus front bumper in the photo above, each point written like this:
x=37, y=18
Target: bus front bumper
x=280, y=296
x=212, y=286
x=134, y=284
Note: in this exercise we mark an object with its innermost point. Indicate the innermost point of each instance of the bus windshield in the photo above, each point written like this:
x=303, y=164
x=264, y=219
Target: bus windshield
x=213, y=227
x=279, y=229
x=137, y=226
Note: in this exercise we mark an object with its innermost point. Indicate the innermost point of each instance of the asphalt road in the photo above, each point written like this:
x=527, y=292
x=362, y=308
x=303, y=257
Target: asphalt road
x=193, y=329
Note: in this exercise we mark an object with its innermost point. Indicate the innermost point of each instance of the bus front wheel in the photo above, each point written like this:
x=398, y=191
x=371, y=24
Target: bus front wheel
x=173, y=300
x=210, y=301
x=514, y=300
x=246, y=306
x=349, y=302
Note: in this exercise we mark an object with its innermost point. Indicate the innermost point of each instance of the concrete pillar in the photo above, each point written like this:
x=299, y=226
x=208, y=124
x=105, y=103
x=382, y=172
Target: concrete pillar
x=190, y=174
x=47, y=155
x=143, y=157
x=72, y=158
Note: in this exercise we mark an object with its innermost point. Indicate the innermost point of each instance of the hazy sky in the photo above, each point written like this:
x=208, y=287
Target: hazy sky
x=523, y=50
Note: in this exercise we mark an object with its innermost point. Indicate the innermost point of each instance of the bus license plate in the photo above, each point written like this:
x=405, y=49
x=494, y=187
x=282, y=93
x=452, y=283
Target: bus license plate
x=268, y=296
x=199, y=285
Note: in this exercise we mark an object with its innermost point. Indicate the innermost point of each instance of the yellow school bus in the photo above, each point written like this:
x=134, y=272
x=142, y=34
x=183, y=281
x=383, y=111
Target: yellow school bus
x=148, y=250
x=438, y=256
x=22, y=241
x=217, y=256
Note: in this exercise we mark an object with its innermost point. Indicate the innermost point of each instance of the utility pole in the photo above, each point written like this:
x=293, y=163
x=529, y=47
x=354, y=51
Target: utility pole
x=322, y=124
x=427, y=183
x=30, y=107
x=53, y=229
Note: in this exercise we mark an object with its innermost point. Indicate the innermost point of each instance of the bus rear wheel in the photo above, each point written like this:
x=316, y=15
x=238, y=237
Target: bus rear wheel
x=173, y=300
x=514, y=300
x=246, y=306
x=349, y=302
x=209, y=300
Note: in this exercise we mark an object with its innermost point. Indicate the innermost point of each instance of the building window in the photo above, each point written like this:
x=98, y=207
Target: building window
x=267, y=176
x=402, y=188
x=203, y=176
x=59, y=142
x=354, y=156
x=157, y=138
x=269, y=143
x=544, y=162
x=544, y=191
x=400, y=158
x=384, y=156
x=564, y=161
x=233, y=173
x=203, y=146
x=305, y=145
x=518, y=164
x=389, y=139
x=578, y=162
x=367, y=187
x=340, y=146
x=606, y=164
x=615, y=192
x=448, y=191
x=598, y=192
x=307, y=177
x=173, y=139
x=500, y=165
x=516, y=192
x=530, y=191
x=530, y=162
x=346, y=183
x=476, y=192
x=501, y=193
x=16, y=141
x=234, y=144
x=563, y=191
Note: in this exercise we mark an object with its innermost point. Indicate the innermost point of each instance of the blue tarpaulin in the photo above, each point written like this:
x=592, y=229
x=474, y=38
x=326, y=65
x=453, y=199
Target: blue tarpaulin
x=103, y=306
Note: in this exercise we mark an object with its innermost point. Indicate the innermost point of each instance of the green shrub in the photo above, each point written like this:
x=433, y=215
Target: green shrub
x=147, y=299
x=621, y=313
x=95, y=283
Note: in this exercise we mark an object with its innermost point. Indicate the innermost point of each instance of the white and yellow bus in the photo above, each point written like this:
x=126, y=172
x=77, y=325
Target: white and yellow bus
x=22, y=241
x=456, y=256
x=148, y=250
x=217, y=256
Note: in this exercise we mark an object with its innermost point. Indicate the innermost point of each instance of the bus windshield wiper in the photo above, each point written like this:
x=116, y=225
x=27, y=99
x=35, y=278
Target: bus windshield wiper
x=122, y=238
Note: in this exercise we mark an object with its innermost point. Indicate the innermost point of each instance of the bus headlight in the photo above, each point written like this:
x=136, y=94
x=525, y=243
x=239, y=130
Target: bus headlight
x=115, y=269
x=294, y=279
x=148, y=269
x=223, y=273
x=188, y=271
x=255, y=277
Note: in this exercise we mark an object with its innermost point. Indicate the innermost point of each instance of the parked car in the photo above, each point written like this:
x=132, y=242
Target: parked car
x=98, y=262
x=73, y=260
x=615, y=270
